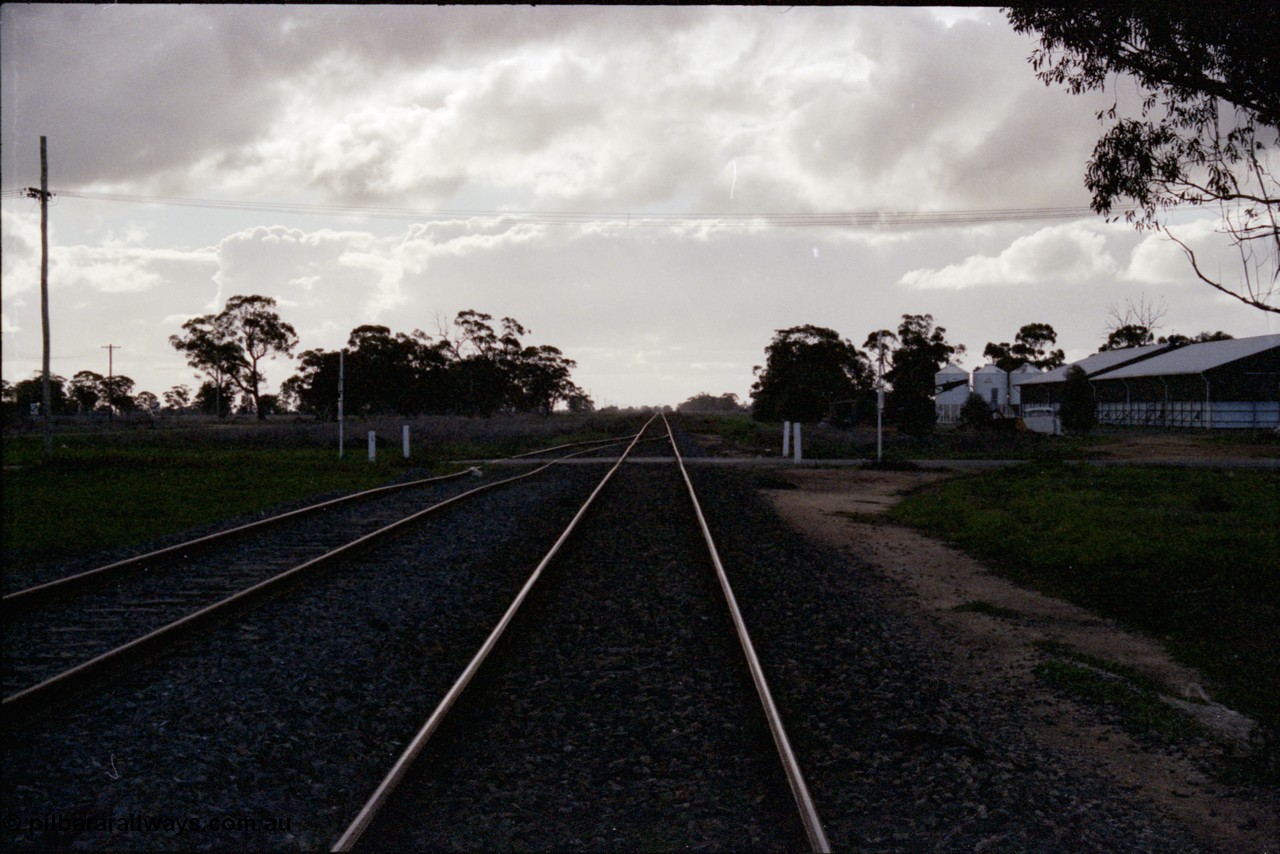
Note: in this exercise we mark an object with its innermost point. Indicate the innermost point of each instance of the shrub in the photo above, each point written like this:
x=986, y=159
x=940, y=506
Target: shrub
x=1078, y=411
x=975, y=413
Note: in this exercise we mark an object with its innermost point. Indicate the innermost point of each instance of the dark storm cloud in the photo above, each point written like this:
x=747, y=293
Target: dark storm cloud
x=126, y=91
x=576, y=106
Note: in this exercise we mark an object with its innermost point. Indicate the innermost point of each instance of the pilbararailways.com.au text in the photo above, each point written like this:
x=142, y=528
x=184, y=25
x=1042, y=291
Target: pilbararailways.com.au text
x=146, y=823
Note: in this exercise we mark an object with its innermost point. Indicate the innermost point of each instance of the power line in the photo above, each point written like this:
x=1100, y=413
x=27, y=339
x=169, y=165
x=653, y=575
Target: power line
x=844, y=219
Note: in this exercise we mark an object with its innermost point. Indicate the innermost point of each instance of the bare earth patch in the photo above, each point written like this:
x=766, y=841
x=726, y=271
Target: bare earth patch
x=843, y=508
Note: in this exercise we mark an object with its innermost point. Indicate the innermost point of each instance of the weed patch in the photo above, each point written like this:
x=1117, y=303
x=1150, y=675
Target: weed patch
x=1141, y=711
x=1189, y=556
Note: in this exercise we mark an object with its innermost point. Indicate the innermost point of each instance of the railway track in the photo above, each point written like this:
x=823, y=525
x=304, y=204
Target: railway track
x=640, y=730
x=618, y=709
x=63, y=635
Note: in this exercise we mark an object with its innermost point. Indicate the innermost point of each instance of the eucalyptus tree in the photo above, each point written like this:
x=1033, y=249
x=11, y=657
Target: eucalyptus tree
x=1208, y=123
x=920, y=351
x=86, y=389
x=807, y=370
x=1030, y=347
x=230, y=346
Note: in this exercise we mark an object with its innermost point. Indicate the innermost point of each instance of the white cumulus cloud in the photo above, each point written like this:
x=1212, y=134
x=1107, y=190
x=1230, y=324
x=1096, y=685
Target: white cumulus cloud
x=1055, y=255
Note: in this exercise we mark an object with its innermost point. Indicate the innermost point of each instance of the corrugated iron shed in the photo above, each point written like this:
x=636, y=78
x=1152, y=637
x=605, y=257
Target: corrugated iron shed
x=1192, y=358
x=1099, y=362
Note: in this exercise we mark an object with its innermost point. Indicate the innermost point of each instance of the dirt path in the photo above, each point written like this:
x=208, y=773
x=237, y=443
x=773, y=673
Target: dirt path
x=844, y=508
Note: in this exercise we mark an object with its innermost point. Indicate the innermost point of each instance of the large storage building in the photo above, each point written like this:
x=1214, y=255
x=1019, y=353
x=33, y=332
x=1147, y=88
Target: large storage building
x=1215, y=385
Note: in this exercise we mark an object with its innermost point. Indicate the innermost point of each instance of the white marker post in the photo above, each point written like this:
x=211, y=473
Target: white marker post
x=405, y=436
x=786, y=439
x=373, y=446
x=799, y=455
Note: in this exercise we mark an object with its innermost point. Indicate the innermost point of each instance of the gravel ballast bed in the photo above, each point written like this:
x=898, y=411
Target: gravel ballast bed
x=898, y=757
x=616, y=714
x=41, y=641
x=288, y=717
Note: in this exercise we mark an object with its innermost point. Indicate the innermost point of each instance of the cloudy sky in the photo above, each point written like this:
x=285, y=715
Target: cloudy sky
x=396, y=165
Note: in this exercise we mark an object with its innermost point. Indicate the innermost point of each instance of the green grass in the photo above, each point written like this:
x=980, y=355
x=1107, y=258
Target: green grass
x=1189, y=556
x=85, y=500
x=108, y=489
x=1139, y=680
x=1141, y=711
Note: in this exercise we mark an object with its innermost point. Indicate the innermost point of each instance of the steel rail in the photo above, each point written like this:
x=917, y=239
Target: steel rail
x=603, y=443
x=68, y=584
x=799, y=790
x=401, y=767
x=45, y=693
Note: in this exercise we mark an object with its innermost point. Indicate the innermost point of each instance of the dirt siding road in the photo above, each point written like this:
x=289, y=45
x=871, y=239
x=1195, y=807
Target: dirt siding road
x=995, y=654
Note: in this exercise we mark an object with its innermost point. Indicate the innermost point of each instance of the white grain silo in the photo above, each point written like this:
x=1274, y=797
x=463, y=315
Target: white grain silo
x=1016, y=378
x=992, y=385
x=951, y=390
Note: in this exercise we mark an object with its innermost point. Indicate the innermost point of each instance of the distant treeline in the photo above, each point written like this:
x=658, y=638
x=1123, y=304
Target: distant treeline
x=472, y=369
x=469, y=368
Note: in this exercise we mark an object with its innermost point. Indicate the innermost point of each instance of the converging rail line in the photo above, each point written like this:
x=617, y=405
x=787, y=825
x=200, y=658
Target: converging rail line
x=27, y=597
x=66, y=635
x=373, y=814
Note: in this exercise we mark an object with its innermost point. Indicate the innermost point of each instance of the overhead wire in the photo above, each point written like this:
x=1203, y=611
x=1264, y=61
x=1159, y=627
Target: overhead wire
x=838, y=219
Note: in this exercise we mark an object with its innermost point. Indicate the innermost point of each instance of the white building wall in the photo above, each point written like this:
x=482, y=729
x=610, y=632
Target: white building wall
x=992, y=385
x=947, y=403
x=1016, y=379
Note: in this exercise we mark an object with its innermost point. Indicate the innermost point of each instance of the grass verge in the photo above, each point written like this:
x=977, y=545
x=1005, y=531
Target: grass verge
x=1141, y=711
x=109, y=489
x=1189, y=556
x=85, y=500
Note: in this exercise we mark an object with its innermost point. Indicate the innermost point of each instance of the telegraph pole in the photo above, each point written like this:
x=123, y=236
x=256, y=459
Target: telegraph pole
x=341, y=383
x=44, y=293
x=880, y=405
x=111, y=386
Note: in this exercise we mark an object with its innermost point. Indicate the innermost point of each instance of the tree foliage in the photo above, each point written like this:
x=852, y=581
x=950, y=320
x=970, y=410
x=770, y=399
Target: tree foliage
x=117, y=391
x=471, y=369
x=1078, y=411
x=1209, y=118
x=921, y=350
x=1182, y=340
x=87, y=389
x=230, y=345
x=976, y=413
x=1130, y=335
x=704, y=402
x=215, y=399
x=178, y=397
x=1030, y=347
x=31, y=391
x=807, y=369
x=146, y=401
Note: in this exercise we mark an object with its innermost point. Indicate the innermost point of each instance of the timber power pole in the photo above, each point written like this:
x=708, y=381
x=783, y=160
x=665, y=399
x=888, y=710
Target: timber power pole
x=43, y=194
x=111, y=380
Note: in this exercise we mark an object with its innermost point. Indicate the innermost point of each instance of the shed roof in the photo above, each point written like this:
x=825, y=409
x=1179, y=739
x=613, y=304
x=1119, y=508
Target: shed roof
x=1099, y=362
x=1194, y=358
